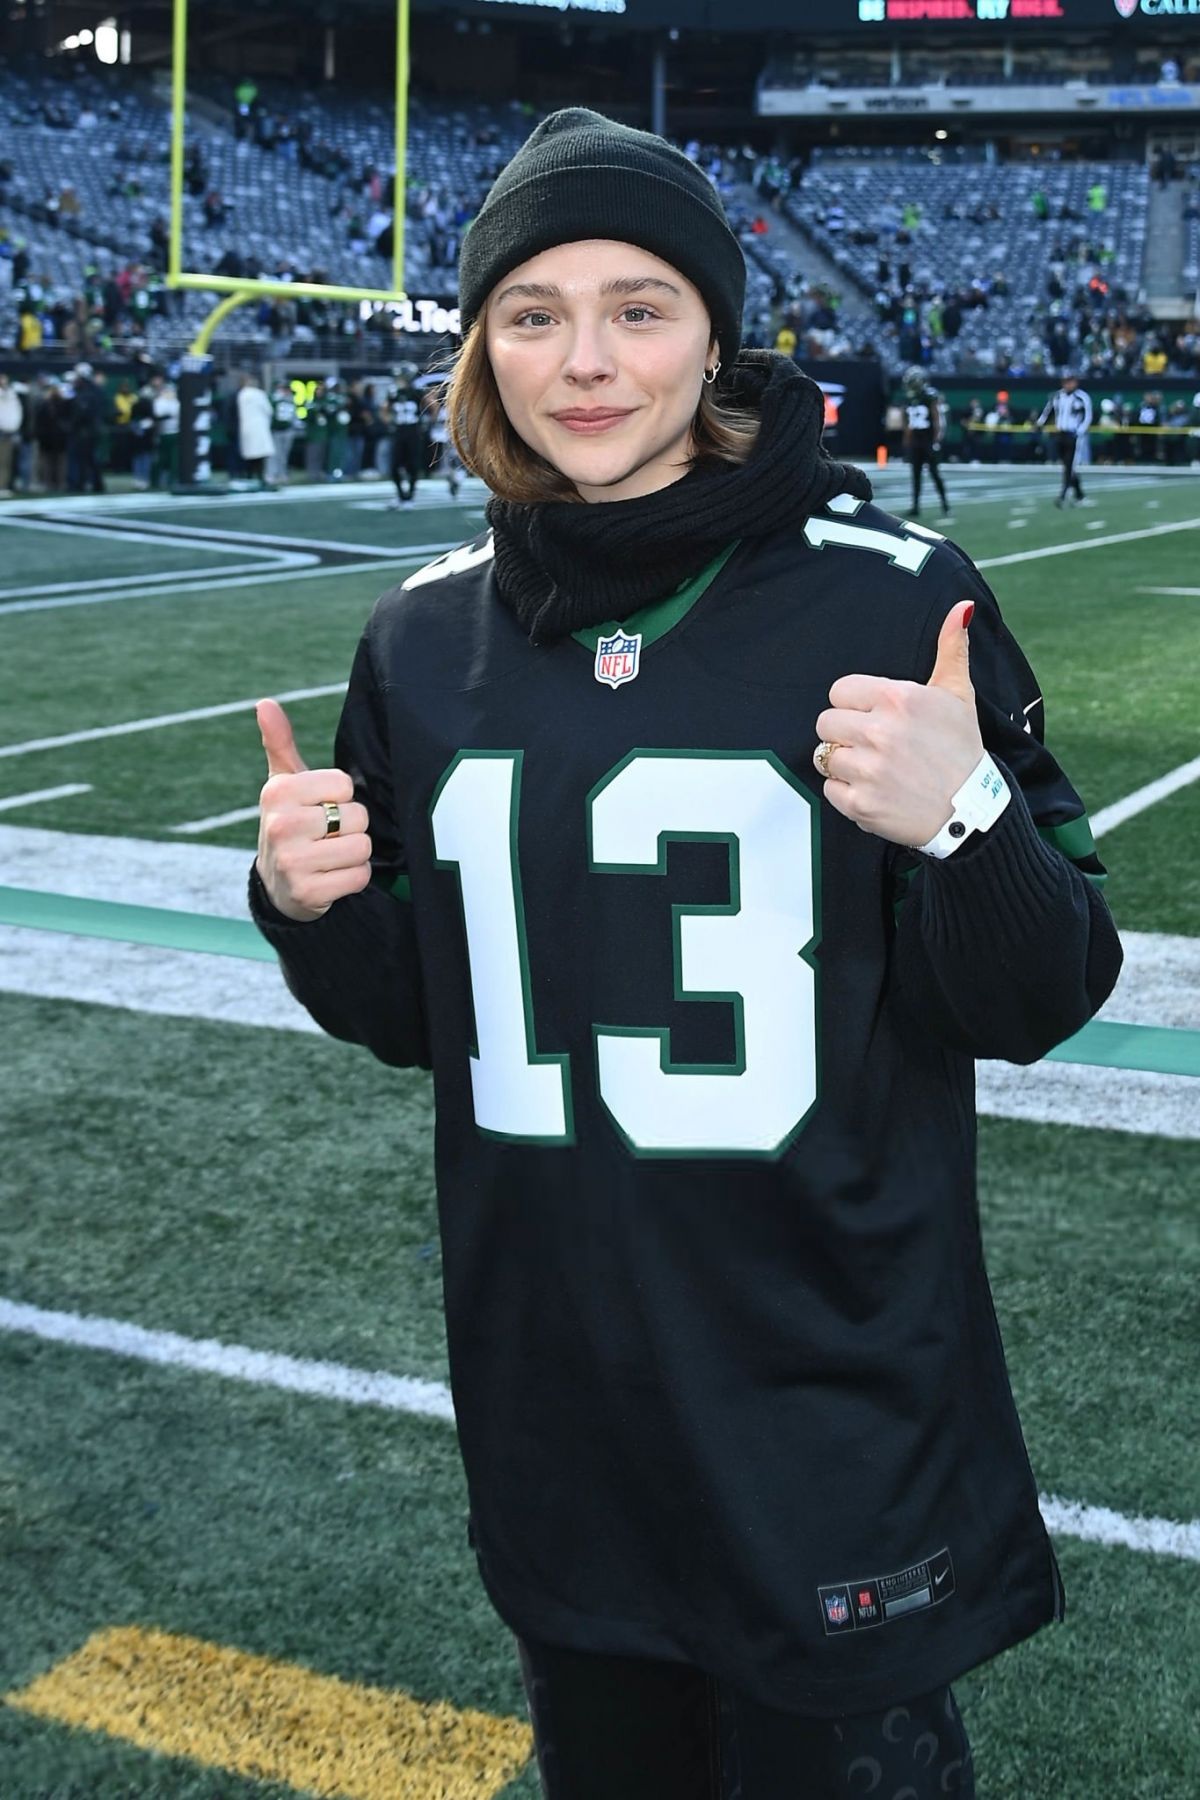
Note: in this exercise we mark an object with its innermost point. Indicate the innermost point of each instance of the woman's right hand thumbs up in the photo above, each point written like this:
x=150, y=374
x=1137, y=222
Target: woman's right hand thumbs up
x=305, y=865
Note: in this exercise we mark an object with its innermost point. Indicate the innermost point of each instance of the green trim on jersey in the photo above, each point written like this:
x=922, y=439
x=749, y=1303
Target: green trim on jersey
x=729, y=908
x=660, y=616
x=1075, y=841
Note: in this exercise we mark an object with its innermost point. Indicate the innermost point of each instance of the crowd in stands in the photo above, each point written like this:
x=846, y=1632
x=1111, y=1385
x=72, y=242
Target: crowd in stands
x=966, y=266
x=992, y=269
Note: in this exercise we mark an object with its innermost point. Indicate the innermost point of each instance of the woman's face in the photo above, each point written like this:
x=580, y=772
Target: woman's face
x=593, y=327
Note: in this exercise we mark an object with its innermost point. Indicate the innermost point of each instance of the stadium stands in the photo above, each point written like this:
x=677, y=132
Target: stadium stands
x=975, y=239
x=301, y=190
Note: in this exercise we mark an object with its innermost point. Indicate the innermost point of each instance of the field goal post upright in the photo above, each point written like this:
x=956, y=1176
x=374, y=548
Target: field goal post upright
x=195, y=384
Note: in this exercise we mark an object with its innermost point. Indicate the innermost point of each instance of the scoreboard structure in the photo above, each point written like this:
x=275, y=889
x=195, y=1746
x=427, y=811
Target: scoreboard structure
x=844, y=18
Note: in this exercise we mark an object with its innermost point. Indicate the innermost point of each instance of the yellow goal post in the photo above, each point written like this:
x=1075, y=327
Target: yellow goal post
x=236, y=288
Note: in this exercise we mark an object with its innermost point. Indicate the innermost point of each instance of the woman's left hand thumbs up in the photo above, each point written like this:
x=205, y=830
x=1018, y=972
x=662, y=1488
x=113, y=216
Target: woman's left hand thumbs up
x=902, y=750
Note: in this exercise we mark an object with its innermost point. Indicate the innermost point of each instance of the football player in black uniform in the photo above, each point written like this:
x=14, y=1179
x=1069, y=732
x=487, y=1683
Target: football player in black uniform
x=408, y=435
x=672, y=825
x=924, y=423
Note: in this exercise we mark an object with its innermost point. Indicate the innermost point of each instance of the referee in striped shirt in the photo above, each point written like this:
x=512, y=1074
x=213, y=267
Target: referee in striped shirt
x=1072, y=410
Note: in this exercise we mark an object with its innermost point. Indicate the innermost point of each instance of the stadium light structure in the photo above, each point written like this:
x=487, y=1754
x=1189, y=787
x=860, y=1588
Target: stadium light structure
x=238, y=289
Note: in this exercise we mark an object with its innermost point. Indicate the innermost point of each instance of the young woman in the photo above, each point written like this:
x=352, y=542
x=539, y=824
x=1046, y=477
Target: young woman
x=671, y=826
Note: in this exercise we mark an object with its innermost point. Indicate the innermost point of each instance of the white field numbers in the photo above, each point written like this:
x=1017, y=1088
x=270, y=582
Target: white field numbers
x=750, y=952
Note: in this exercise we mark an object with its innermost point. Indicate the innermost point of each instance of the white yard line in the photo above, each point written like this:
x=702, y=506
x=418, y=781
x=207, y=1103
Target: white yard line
x=1110, y=816
x=122, y=587
x=118, y=531
x=217, y=583
x=1188, y=593
x=96, y=732
x=148, y=533
x=10, y=802
x=1098, y=1525
x=236, y=817
x=1096, y=543
x=433, y=1400
x=262, y=1368
x=297, y=494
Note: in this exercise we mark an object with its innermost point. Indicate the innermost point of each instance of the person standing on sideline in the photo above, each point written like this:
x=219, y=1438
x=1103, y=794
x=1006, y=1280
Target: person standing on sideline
x=316, y=434
x=283, y=430
x=12, y=415
x=254, y=428
x=165, y=407
x=441, y=446
x=924, y=422
x=408, y=436
x=1071, y=410
x=86, y=420
x=745, y=1476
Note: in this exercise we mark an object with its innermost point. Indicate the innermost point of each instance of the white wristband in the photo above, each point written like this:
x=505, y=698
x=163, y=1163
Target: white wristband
x=977, y=805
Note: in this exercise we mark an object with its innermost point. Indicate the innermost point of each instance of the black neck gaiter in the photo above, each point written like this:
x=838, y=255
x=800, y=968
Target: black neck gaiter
x=562, y=565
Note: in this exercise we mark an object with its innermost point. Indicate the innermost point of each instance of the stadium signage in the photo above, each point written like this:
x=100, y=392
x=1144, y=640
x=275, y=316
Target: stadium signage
x=801, y=102
x=594, y=6
x=1159, y=9
x=416, y=318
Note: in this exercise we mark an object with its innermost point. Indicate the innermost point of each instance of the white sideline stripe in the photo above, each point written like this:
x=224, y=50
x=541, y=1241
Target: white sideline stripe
x=1099, y=1525
x=1096, y=543
x=432, y=1399
x=262, y=1368
x=217, y=583
x=181, y=718
x=1188, y=593
x=143, y=532
x=1139, y=1102
x=237, y=817
x=1159, y=986
x=80, y=592
x=136, y=534
x=12, y=801
x=1110, y=816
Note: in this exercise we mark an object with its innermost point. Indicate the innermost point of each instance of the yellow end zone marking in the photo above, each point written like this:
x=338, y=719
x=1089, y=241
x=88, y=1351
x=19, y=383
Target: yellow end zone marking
x=252, y=1716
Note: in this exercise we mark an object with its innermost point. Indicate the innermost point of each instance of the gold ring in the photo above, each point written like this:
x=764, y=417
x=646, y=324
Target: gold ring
x=822, y=754
x=333, y=818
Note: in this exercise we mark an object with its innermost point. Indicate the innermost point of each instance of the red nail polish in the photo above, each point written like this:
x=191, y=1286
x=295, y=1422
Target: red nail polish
x=968, y=615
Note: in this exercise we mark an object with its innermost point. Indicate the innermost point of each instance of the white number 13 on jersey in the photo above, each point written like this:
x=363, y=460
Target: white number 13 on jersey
x=754, y=952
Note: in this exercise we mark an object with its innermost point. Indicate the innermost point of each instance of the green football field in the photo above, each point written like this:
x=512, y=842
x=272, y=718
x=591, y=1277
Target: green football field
x=233, y=1559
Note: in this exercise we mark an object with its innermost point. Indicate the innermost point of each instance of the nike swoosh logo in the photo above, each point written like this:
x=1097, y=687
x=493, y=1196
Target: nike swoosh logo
x=938, y=1579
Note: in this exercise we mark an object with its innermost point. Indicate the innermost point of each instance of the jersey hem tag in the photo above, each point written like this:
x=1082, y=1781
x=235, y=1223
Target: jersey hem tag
x=878, y=1599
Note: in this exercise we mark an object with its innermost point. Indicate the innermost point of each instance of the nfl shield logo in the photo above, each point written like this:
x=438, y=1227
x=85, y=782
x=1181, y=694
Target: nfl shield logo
x=837, y=1609
x=1126, y=8
x=618, y=658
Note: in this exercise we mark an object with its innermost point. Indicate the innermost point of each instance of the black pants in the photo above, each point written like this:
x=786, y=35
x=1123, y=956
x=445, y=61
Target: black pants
x=630, y=1728
x=922, y=457
x=406, y=461
x=1067, y=443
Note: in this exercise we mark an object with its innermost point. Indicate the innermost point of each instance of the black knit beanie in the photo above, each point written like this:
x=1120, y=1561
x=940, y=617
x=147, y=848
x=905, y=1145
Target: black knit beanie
x=580, y=175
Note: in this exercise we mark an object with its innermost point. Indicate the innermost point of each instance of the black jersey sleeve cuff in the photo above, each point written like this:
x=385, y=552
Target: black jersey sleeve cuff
x=1005, y=948
x=355, y=969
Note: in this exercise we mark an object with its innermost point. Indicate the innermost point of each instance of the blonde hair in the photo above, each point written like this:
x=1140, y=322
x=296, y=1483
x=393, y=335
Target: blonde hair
x=484, y=438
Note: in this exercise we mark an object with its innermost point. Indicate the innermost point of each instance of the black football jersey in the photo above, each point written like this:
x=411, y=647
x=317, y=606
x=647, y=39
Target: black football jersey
x=405, y=410
x=728, y=1381
x=921, y=415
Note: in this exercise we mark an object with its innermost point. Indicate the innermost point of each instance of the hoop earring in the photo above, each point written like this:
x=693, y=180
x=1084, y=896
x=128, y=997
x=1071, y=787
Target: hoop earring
x=710, y=375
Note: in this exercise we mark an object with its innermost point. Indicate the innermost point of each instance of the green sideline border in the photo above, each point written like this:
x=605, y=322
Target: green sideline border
x=1103, y=1043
